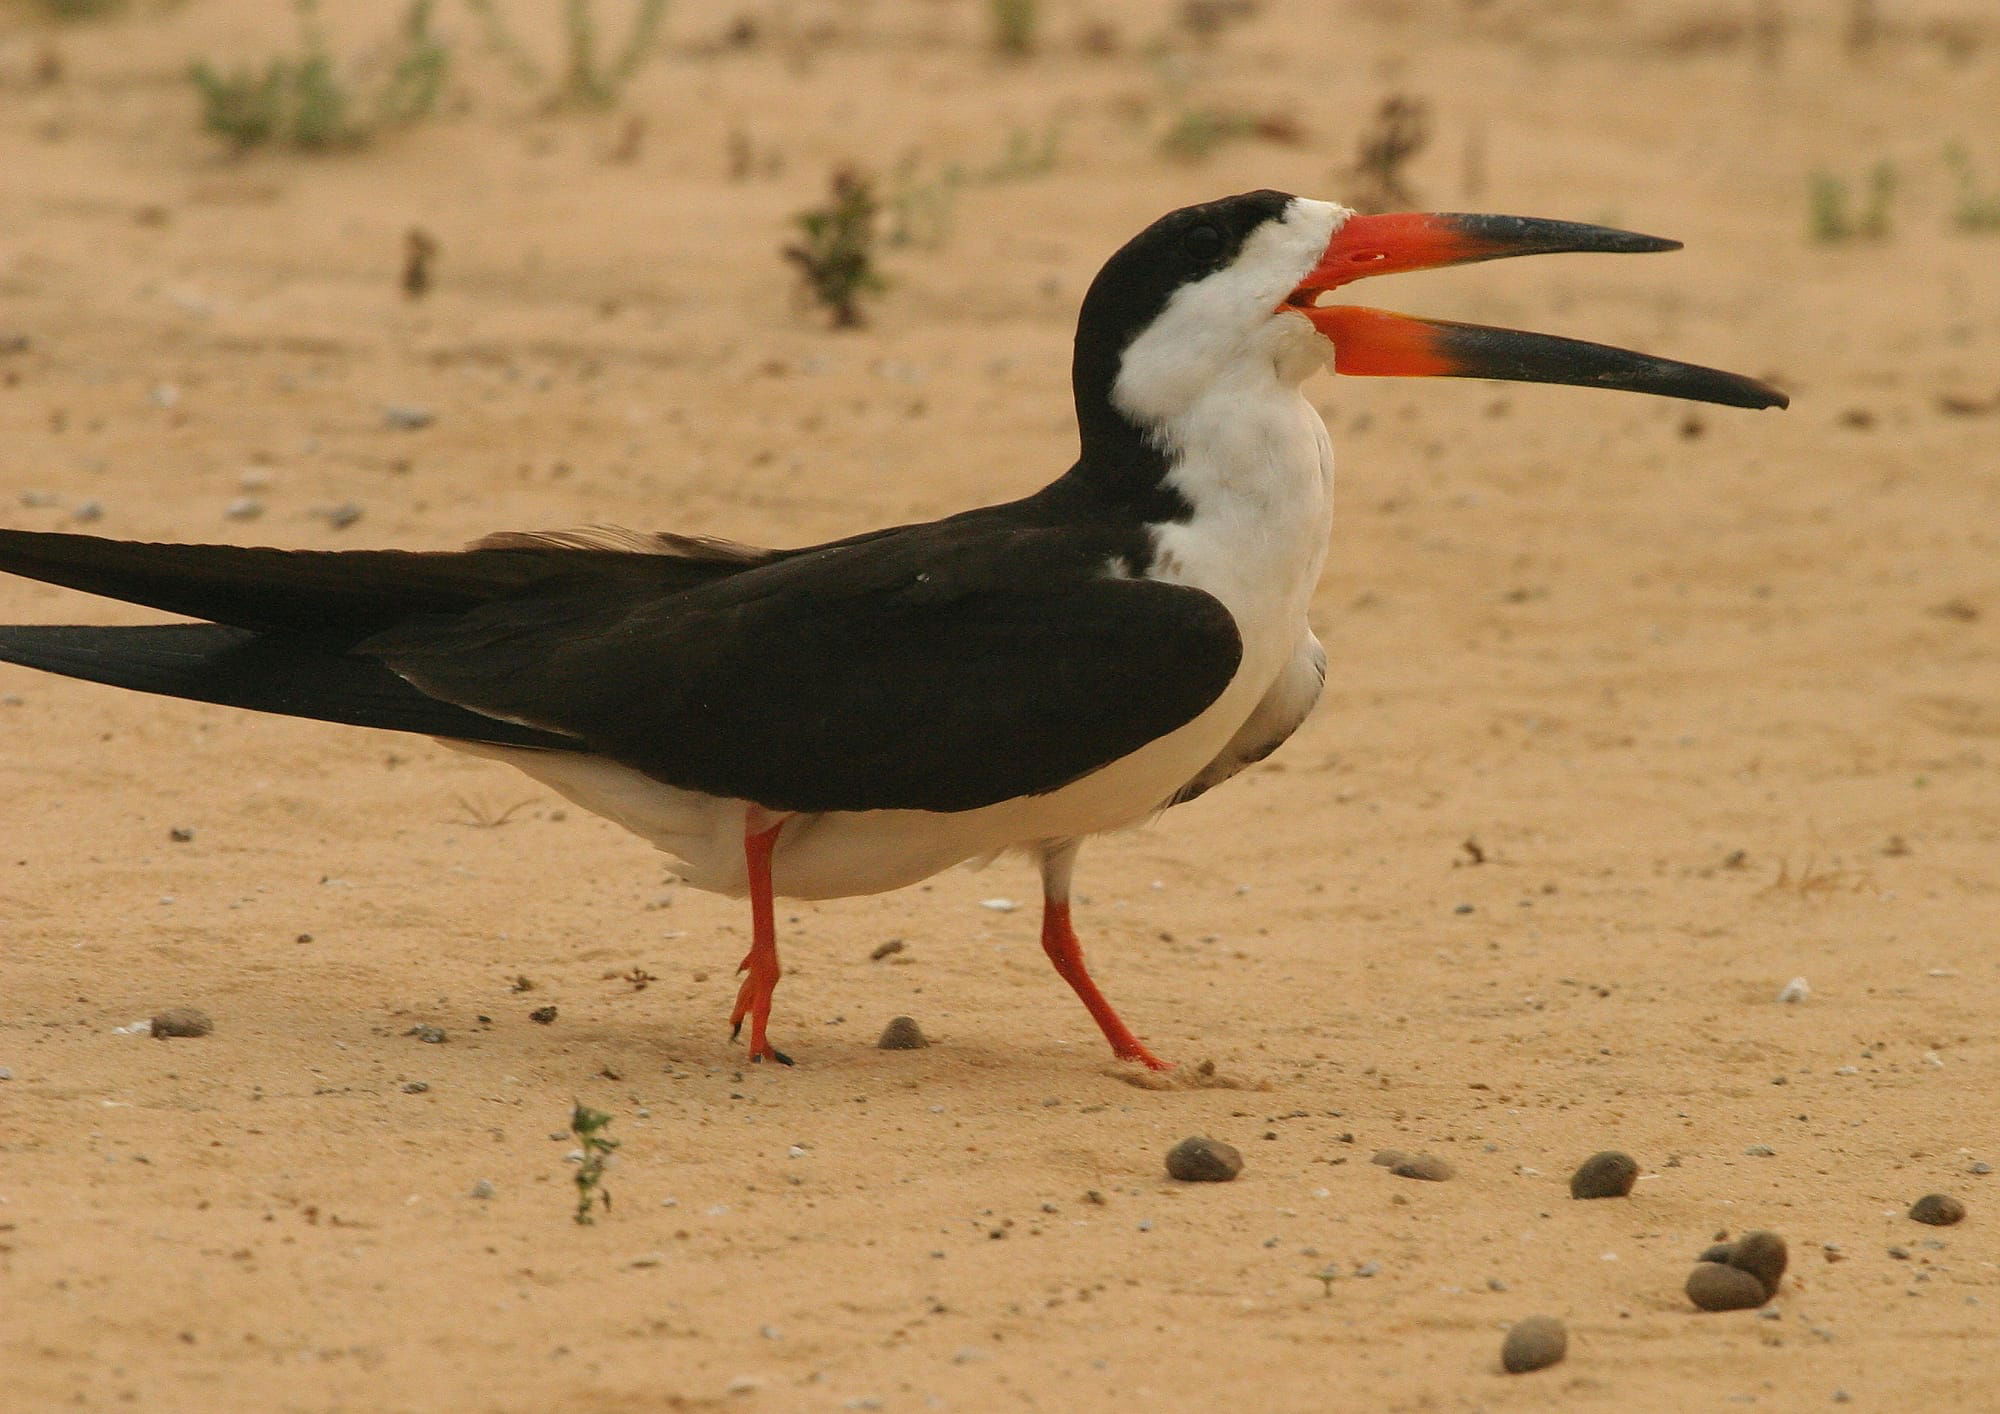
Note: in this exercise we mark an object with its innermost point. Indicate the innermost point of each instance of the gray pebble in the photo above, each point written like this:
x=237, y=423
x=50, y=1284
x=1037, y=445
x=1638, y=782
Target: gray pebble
x=1199, y=1160
x=1763, y=1255
x=429, y=1035
x=407, y=417
x=182, y=1021
x=341, y=516
x=1606, y=1175
x=1533, y=1344
x=903, y=1034
x=244, y=508
x=1425, y=1166
x=415, y=1087
x=1715, y=1287
x=88, y=511
x=1938, y=1209
x=1388, y=1158
x=483, y=1189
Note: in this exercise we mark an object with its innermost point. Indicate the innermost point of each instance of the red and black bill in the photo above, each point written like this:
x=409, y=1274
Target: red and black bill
x=1376, y=343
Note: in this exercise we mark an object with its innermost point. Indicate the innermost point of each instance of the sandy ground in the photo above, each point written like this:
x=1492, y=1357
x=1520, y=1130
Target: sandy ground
x=1636, y=712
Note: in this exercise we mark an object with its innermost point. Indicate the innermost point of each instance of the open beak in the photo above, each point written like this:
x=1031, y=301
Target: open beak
x=1376, y=343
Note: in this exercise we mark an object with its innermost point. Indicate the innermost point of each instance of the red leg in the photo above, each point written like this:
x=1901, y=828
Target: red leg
x=1060, y=943
x=753, y=998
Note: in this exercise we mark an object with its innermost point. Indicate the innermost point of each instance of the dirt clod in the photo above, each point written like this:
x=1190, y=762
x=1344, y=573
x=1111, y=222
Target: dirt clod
x=1938, y=1209
x=903, y=1034
x=182, y=1021
x=1609, y=1174
x=1428, y=1167
x=1200, y=1160
x=543, y=1015
x=1715, y=1287
x=1533, y=1344
x=1763, y=1255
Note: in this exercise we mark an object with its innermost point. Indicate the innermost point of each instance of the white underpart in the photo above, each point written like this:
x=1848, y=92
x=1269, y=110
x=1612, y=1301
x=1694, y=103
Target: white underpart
x=1217, y=374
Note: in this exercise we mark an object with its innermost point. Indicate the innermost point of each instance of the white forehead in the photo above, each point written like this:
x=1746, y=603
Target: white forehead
x=1213, y=321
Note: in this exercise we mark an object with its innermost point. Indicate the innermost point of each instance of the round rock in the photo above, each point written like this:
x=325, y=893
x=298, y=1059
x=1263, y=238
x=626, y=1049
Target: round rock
x=1763, y=1255
x=1200, y=1160
x=1606, y=1175
x=1715, y=1287
x=1533, y=1344
x=1425, y=1166
x=1938, y=1209
x=903, y=1034
x=182, y=1021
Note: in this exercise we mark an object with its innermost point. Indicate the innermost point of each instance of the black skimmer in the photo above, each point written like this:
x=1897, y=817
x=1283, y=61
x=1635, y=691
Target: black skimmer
x=852, y=717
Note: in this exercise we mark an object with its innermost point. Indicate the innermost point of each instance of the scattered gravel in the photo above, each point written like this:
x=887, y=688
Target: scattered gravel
x=1938, y=1209
x=182, y=1021
x=1533, y=1344
x=1425, y=1166
x=1715, y=1287
x=903, y=1034
x=1609, y=1174
x=1199, y=1160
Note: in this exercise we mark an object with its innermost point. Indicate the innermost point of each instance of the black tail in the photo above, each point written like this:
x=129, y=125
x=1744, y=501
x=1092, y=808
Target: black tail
x=263, y=672
x=350, y=593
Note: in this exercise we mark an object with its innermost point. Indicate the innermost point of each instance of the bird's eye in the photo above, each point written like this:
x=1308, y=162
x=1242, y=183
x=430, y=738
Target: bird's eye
x=1203, y=244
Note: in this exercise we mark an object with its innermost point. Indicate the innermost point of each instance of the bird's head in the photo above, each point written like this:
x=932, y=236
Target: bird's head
x=1212, y=292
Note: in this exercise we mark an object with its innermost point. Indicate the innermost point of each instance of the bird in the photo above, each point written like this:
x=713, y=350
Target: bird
x=852, y=717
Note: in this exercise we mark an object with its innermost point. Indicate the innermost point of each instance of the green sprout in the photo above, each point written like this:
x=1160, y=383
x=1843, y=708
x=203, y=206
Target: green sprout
x=588, y=1126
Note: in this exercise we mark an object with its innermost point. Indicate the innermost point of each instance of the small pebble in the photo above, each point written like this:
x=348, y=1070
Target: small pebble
x=1760, y=1151
x=483, y=1189
x=1533, y=1344
x=542, y=1015
x=6, y=1072
x=1981, y=1167
x=1938, y=1209
x=88, y=511
x=182, y=1021
x=429, y=1035
x=1425, y=1166
x=1795, y=991
x=902, y=1034
x=1715, y=1287
x=1199, y=1160
x=1388, y=1158
x=340, y=517
x=407, y=417
x=415, y=1087
x=244, y=508
x=1610, y=1174
x=180, y=834
x=888, y=949
x=1763, y=1255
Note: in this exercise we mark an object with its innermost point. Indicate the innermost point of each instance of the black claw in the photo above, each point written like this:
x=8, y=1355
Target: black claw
x=780, y=1057
x=735, y=1031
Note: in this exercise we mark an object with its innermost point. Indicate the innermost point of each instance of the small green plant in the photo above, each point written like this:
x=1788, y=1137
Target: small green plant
x=81, y=9
x=597, y=1147
x=920, y=204
x=837, y=252
x=1014, y=25
x=588, y=80
x=304, y=101
x=1835, y=216
x=1975, y=211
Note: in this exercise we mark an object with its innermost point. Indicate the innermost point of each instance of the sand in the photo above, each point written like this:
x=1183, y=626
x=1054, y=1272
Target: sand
x=1636, y=712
